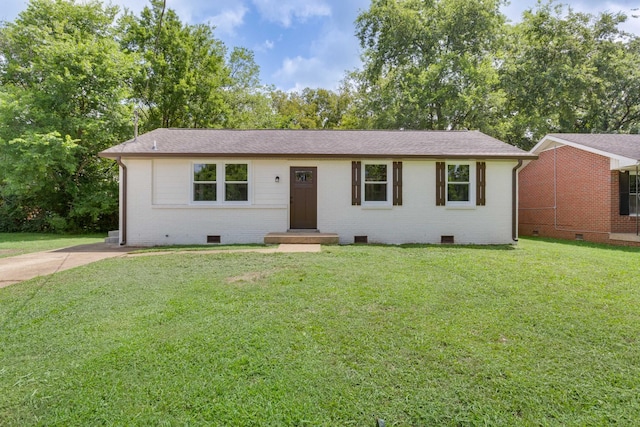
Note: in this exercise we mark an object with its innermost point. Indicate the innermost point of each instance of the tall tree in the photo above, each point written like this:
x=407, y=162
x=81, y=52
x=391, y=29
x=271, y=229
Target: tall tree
x=311, y=108
x=182, y=72
x=62, y=71
x=564, y=71
x=429, y=64
x=248, y=99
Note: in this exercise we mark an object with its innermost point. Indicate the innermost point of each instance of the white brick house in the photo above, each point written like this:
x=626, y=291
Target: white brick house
x=193, y=186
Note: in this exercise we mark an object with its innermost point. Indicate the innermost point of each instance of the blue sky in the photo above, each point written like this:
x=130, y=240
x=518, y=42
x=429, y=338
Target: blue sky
x=303, y=43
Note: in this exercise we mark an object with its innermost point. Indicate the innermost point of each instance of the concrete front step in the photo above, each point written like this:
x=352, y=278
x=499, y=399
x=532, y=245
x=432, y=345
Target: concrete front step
x=113, y=238
x=298, y=237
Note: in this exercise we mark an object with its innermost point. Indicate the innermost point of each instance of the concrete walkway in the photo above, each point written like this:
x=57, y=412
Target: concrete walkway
x=23, y=267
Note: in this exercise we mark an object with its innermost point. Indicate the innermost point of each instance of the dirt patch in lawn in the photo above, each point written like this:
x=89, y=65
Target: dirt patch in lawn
x=248, y=278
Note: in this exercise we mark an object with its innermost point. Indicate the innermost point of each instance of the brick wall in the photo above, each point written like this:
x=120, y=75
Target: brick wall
x=583, y=202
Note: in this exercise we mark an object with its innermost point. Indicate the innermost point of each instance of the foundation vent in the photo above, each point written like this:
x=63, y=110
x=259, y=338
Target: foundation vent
x=447, y=240
x=579, y=236
x=213, y=239
x=535, y=233
x=360, y=239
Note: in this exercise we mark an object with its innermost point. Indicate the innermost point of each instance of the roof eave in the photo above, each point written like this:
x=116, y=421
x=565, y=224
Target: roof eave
x=544, y=142
x=527, y=156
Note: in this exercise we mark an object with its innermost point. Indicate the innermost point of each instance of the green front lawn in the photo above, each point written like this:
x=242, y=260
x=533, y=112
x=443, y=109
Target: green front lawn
x=547, y=333
x=12, y=244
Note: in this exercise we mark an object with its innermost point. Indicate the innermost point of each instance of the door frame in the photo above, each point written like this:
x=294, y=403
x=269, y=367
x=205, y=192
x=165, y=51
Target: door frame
x=314, y=185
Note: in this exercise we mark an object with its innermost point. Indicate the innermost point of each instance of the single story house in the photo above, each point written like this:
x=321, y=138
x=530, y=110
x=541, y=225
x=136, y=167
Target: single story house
x=198, y=186
x=584, y=187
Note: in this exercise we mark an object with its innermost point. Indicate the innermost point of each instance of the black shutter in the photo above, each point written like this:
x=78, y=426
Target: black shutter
x=397, y=183
x=441, y=197
x=481, y=174
x=623, y=182
x=355, y=183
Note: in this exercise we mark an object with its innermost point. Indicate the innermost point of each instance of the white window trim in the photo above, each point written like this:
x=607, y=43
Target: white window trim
x=471, y=203
x=389, y=183
x=220, y=183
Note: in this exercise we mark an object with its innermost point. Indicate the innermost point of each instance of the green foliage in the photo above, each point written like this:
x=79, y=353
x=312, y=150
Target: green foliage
x=428, y=64
x=453, y=64
x=249, y=101
x=415, y=335
x=182, y=69
x=37, y=175
x=311, y=108
x=62, y=74
x=569, y=72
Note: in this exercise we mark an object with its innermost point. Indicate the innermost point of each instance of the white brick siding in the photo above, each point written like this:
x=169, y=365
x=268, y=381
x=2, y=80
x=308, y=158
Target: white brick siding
x=160, y=212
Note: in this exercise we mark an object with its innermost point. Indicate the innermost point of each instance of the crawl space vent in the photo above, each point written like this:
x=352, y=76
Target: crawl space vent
x=360, y=239
x=213, y=239
x=446, y=240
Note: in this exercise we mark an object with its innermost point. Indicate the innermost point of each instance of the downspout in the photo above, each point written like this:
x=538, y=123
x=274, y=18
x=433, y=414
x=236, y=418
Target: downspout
x=123, y=208
x=514, y=201
x=637, y=201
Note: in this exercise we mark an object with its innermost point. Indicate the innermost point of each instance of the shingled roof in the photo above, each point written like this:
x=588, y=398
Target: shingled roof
x=611, y=145
x=315, y=144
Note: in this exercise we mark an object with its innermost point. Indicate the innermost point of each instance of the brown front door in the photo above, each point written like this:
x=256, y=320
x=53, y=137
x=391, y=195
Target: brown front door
x=304, y=198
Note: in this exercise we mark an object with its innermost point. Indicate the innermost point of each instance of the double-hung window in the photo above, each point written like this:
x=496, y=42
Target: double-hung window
x=236, y=182
x=205, y=185
x=379, y=182
x=376, y=184
x=458, y=183
x=220, y=182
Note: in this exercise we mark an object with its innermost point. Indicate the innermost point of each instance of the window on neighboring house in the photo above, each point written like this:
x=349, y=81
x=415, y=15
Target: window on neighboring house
x=375, y=182
x=236, y=182
x=634, y=194
x=205, y=185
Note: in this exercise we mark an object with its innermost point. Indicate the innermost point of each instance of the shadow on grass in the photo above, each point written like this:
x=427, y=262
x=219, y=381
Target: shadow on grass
x=582, y=244
x=195, y=248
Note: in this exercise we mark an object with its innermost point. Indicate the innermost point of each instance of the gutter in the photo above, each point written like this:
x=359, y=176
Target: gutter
x=123, y=208
x=514, y=201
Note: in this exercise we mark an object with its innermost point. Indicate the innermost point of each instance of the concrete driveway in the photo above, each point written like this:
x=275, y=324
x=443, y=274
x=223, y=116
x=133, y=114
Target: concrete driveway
x=23, y=267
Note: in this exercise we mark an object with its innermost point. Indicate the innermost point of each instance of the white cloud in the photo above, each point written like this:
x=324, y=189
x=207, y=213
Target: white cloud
x=264, y=47
x=330, y=56
x=228, y=20
x=285, y=12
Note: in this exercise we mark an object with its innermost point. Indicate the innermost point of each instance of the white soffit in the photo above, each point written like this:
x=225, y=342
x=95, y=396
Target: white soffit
x=551, y=142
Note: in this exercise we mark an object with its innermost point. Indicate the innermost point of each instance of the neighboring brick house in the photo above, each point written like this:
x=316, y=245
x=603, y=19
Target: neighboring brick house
x=584, y=187
x=186, y=186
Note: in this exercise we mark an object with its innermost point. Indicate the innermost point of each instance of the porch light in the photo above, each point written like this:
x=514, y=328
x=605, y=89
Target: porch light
x=277, y=179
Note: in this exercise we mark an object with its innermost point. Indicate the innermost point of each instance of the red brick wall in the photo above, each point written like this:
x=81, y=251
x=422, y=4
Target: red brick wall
x=583, y=195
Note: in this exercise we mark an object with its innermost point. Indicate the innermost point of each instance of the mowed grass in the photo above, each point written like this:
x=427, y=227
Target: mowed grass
x=12, y=244
x=543, y=334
